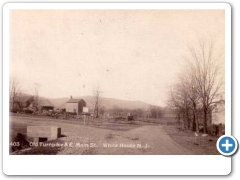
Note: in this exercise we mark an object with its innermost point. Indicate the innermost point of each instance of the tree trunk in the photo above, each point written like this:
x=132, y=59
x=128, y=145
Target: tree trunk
x=195, y=119
x=205, y=121
x=194, y=122
x=178, y=119
x=13, y=101
x=188, y=120
x=185, y=121
x=197, y=126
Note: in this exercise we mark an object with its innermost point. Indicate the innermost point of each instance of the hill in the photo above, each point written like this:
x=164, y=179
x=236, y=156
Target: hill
x=108, y=103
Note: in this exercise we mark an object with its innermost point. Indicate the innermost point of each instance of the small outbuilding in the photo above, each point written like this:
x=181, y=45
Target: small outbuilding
x=75, y=106
x=41, y=104
x=46, y=105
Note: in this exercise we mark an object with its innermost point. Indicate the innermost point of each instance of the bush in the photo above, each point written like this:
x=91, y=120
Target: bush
x=14, y=110
x=119, y=118
x=21, y=141
x=130, y=118
x=27, y=111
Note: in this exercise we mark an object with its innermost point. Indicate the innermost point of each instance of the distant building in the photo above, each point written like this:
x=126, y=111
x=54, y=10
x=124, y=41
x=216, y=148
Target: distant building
x=45, y=104
x=23, y=101
x=41, y=104
x=75, y=106
x=218, y=113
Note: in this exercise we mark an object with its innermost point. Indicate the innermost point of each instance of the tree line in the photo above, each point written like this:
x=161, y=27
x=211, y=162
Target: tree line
x=20, y=100
x=197, y=86
x=153, y=112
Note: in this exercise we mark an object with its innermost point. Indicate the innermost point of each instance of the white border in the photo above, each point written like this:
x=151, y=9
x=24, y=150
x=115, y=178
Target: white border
x=123, y=164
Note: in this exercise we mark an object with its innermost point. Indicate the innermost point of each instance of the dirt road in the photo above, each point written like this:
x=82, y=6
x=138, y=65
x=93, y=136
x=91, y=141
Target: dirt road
x=79, y=139
x=144, y=140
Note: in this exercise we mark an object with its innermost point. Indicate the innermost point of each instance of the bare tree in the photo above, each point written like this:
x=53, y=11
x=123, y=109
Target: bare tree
x=102, y=110
x=178, y=99
x=138, y=113
x=205, y=64
x=36, y=96
x=188, y=87
x=14, y=91
x=155, y=112
x=97, y=101
x=197, y=85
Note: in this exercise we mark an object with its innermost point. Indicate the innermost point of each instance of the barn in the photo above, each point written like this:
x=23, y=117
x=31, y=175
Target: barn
x=45, y=104
x=41, y=104
x=75, y=106
x=23, y=101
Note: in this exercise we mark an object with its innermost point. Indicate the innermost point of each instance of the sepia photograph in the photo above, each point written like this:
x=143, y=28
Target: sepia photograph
x=116, y=81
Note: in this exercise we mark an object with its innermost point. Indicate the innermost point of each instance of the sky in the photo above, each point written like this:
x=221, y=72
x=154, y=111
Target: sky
x=129, y=54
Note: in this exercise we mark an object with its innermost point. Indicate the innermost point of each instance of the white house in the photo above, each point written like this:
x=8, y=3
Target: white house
x=75, y=106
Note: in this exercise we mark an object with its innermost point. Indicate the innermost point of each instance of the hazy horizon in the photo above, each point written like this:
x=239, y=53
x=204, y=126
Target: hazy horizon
x=130, y=54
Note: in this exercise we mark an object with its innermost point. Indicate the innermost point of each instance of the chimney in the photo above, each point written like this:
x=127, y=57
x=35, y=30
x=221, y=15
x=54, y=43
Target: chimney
x=70, y=97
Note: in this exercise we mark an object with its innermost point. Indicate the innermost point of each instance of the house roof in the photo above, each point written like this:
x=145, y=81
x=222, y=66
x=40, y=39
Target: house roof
x=23, y=98
x=74, y=100
x=45, y=102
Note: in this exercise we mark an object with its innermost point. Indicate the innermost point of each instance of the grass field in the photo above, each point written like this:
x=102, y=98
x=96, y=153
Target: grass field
x=162, y=136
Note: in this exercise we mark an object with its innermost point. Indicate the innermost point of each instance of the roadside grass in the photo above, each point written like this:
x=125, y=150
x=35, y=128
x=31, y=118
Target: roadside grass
x=115, y=126
x=17, y=128
x=162, y=121
x=198, y=145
